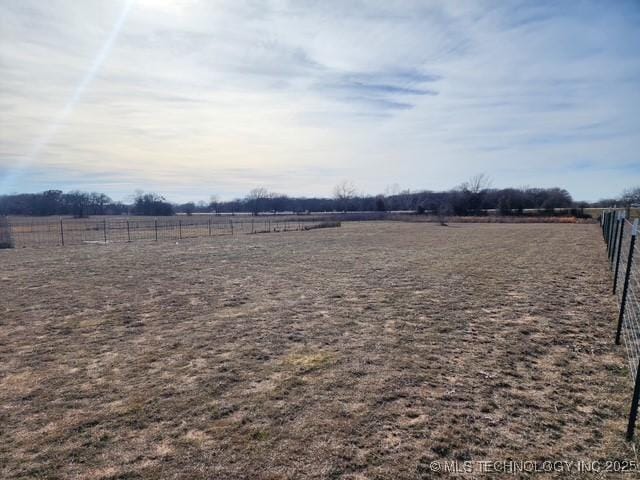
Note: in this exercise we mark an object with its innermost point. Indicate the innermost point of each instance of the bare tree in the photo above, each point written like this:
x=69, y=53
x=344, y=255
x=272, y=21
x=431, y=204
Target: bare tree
x=393, y=189
x=477, y=183
x=214, y=204
x=97, y=202
x=405, y=198
x=189, y=208
x=256, y=199
x=344, y=192
x=78, y=203
x=151, y=204
x=631, y=197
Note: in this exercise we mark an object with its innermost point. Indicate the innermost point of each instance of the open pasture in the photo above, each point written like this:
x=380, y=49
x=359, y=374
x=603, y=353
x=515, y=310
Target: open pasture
x=51, y=231
x=365, y=351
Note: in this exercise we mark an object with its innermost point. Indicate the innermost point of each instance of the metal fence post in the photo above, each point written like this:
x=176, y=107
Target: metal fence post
x=625, y=288
x=104, y=229
x=610, y=235
x=128, y=232
x=209, y=227
x=61, y=233
x=156, y=224
x=619, y=248
x=633, y=414
x=180, y=229
x=614, y=243
x=611, y=218
x=231, y=224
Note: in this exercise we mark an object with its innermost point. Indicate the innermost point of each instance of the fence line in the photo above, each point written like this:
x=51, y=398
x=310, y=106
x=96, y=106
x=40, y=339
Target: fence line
x=63, y=232
x=620, y=236
x=6, y=240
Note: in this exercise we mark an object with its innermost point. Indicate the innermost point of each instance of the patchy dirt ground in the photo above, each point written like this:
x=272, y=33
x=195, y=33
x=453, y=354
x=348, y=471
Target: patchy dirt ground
x=366, y=351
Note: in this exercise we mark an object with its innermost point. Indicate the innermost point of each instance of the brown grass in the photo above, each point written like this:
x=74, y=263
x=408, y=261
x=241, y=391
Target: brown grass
x=360, y=352
x=596, y=212
x=490, y=219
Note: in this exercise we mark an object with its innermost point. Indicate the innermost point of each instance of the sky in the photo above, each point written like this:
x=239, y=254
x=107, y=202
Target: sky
x=193, y=98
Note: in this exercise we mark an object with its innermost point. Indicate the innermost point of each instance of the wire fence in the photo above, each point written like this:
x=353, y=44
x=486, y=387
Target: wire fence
x=620, y=236
x=67, y=231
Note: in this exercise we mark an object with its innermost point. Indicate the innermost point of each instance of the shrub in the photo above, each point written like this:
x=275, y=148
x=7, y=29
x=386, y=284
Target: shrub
x=322, y=225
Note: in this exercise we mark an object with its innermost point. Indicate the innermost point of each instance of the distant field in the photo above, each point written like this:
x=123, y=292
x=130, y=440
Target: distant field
x=365, y=351
x=596, y=212
x=51, y=231
x=244, y=217
x=57, y=231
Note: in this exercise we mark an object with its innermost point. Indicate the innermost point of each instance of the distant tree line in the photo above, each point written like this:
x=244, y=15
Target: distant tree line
x=474, y=197
x=151, y=204
x=55, y=202
x=81, y=204
x=630, y=197
x=461, y=201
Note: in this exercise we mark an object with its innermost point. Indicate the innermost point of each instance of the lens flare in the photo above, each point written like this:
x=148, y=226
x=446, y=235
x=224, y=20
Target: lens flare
x=41, y=142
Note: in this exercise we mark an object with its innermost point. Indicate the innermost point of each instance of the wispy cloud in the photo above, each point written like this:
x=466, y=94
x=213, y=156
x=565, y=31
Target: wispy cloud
x=195, y=97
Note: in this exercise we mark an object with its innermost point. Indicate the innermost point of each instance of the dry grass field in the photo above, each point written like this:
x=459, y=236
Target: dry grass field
x=359, y=352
